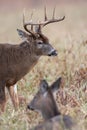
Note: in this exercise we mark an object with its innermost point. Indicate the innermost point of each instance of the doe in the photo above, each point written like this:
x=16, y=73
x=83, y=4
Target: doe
x=44, y=102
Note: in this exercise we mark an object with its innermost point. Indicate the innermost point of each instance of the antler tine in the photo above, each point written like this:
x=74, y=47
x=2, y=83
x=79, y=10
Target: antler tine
x=46, y=21
x=38, y=29
x=45, y=14
x=23, y=17
x=53, y=12
x=40, y=24
x=26, y=24
x=32, y=27
x=31, y=15
x=31, y=21
x=53, y=21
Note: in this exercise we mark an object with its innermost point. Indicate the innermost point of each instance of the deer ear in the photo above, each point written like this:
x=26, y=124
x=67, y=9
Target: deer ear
x=43, y=86
x=23, y=34
x=56, y=85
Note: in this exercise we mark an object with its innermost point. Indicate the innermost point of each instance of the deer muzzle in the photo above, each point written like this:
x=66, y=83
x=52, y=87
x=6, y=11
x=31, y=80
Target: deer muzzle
x=53, y=53
x=29, y=107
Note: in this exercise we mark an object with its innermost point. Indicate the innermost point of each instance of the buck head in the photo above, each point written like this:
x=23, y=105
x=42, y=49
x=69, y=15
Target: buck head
x=36, y=39
x=44, y=101
x=39, y=44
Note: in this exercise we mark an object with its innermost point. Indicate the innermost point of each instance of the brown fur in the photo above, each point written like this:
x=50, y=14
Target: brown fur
x=44, y=102
x=17, y=60
x=57, y=123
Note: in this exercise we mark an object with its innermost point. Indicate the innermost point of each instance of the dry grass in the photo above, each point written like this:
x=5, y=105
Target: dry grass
x=70, y=39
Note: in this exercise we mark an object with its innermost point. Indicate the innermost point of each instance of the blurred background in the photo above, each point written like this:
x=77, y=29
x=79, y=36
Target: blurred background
x=11, y=15
x=11, y=4
x=69, y=37
x=35, y=3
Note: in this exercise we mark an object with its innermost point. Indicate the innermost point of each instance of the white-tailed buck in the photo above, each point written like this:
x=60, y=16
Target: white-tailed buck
x=45, y=103
x=17, y=60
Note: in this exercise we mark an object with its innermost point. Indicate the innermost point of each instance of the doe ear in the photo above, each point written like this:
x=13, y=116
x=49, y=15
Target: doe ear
x=22, y=34
x=43, y=86
x=56, y=85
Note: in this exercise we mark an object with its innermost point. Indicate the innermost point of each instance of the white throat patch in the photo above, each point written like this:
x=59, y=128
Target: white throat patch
x=45, y=94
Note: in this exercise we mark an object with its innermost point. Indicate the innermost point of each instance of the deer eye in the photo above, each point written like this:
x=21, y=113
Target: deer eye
x=39, y=43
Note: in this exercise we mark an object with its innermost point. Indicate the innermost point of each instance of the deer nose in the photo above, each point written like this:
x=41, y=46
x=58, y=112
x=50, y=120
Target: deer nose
x=29, y=107
x=53, y=53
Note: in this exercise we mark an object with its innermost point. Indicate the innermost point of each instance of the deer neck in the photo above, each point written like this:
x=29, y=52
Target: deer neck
x=50, y=112
x=28, y=52
x=27, y=59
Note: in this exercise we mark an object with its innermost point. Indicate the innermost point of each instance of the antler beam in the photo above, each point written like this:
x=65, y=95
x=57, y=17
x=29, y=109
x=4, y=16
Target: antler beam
x=40, y=24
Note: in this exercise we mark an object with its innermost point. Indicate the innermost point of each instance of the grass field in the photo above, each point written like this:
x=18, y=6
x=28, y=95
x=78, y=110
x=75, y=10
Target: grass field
x=69, y=37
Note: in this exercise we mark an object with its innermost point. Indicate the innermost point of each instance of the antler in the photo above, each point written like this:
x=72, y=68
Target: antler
x=39, y=25
x=29, y=23
x=51, y=20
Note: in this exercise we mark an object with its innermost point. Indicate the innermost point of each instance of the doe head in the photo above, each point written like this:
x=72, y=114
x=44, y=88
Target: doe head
x=44, y=98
